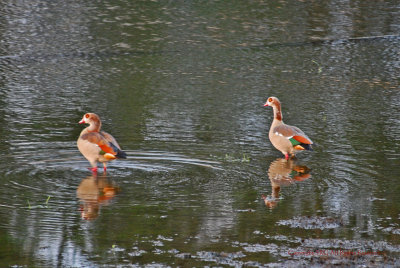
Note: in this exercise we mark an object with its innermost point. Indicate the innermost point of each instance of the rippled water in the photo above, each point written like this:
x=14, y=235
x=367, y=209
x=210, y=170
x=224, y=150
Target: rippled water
x=181, y=85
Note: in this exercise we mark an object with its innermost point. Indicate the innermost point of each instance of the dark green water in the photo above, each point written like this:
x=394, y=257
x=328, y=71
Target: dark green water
x=181, y=85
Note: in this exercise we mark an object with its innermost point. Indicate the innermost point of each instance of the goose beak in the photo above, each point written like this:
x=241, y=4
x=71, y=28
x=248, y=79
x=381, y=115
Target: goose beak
x=82, y=121
x=266, y=104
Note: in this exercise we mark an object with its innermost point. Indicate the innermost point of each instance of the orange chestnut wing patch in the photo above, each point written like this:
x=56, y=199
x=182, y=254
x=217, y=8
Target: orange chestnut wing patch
x=295, y=134
x=301, y=143
x=302, y=139
x=98, y=139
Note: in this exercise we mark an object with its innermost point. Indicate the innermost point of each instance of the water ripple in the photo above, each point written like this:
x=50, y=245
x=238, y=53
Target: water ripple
x=33, y=157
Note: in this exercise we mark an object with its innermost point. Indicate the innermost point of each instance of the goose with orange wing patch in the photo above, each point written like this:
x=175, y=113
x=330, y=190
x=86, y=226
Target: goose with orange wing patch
x=287, y=139
x=95, y=145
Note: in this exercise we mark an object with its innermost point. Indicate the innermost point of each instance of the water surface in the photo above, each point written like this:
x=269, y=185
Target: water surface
x=181, y=85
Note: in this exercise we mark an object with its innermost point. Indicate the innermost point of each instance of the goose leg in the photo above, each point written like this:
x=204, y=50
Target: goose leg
x=104, y=166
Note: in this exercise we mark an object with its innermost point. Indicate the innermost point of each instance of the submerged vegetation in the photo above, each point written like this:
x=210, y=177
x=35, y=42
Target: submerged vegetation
x=244, y=158
x=39, y=206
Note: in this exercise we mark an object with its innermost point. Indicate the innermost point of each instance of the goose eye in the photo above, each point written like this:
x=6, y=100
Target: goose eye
x=87, y=115
x=270, y=100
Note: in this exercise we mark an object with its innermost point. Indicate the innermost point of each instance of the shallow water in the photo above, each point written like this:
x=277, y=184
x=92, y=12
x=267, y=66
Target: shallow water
x=181, y=85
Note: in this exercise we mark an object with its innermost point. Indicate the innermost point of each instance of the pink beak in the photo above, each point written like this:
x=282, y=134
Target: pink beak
x=266, y=104
x=82, y=121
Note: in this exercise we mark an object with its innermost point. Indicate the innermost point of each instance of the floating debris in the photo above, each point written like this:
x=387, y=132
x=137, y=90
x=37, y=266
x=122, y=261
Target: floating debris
x=314, y=222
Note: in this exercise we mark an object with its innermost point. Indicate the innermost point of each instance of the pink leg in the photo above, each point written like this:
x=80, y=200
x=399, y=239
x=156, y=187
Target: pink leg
x=104, y=167
x=94, y=170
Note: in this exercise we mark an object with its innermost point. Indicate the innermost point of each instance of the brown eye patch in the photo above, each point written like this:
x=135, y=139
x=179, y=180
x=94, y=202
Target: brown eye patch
x=87, y=115
x=270, y=99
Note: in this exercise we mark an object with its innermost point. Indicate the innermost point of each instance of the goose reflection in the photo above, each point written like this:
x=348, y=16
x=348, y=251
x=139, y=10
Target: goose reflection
x=284, y=172
x=93, y=192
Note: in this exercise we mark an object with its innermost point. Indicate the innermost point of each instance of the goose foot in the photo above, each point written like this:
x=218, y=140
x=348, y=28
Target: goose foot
x=94, y=170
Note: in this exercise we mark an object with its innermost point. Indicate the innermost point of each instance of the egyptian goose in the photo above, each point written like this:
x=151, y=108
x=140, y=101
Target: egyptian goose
x=95, y=145
x=287, y=139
